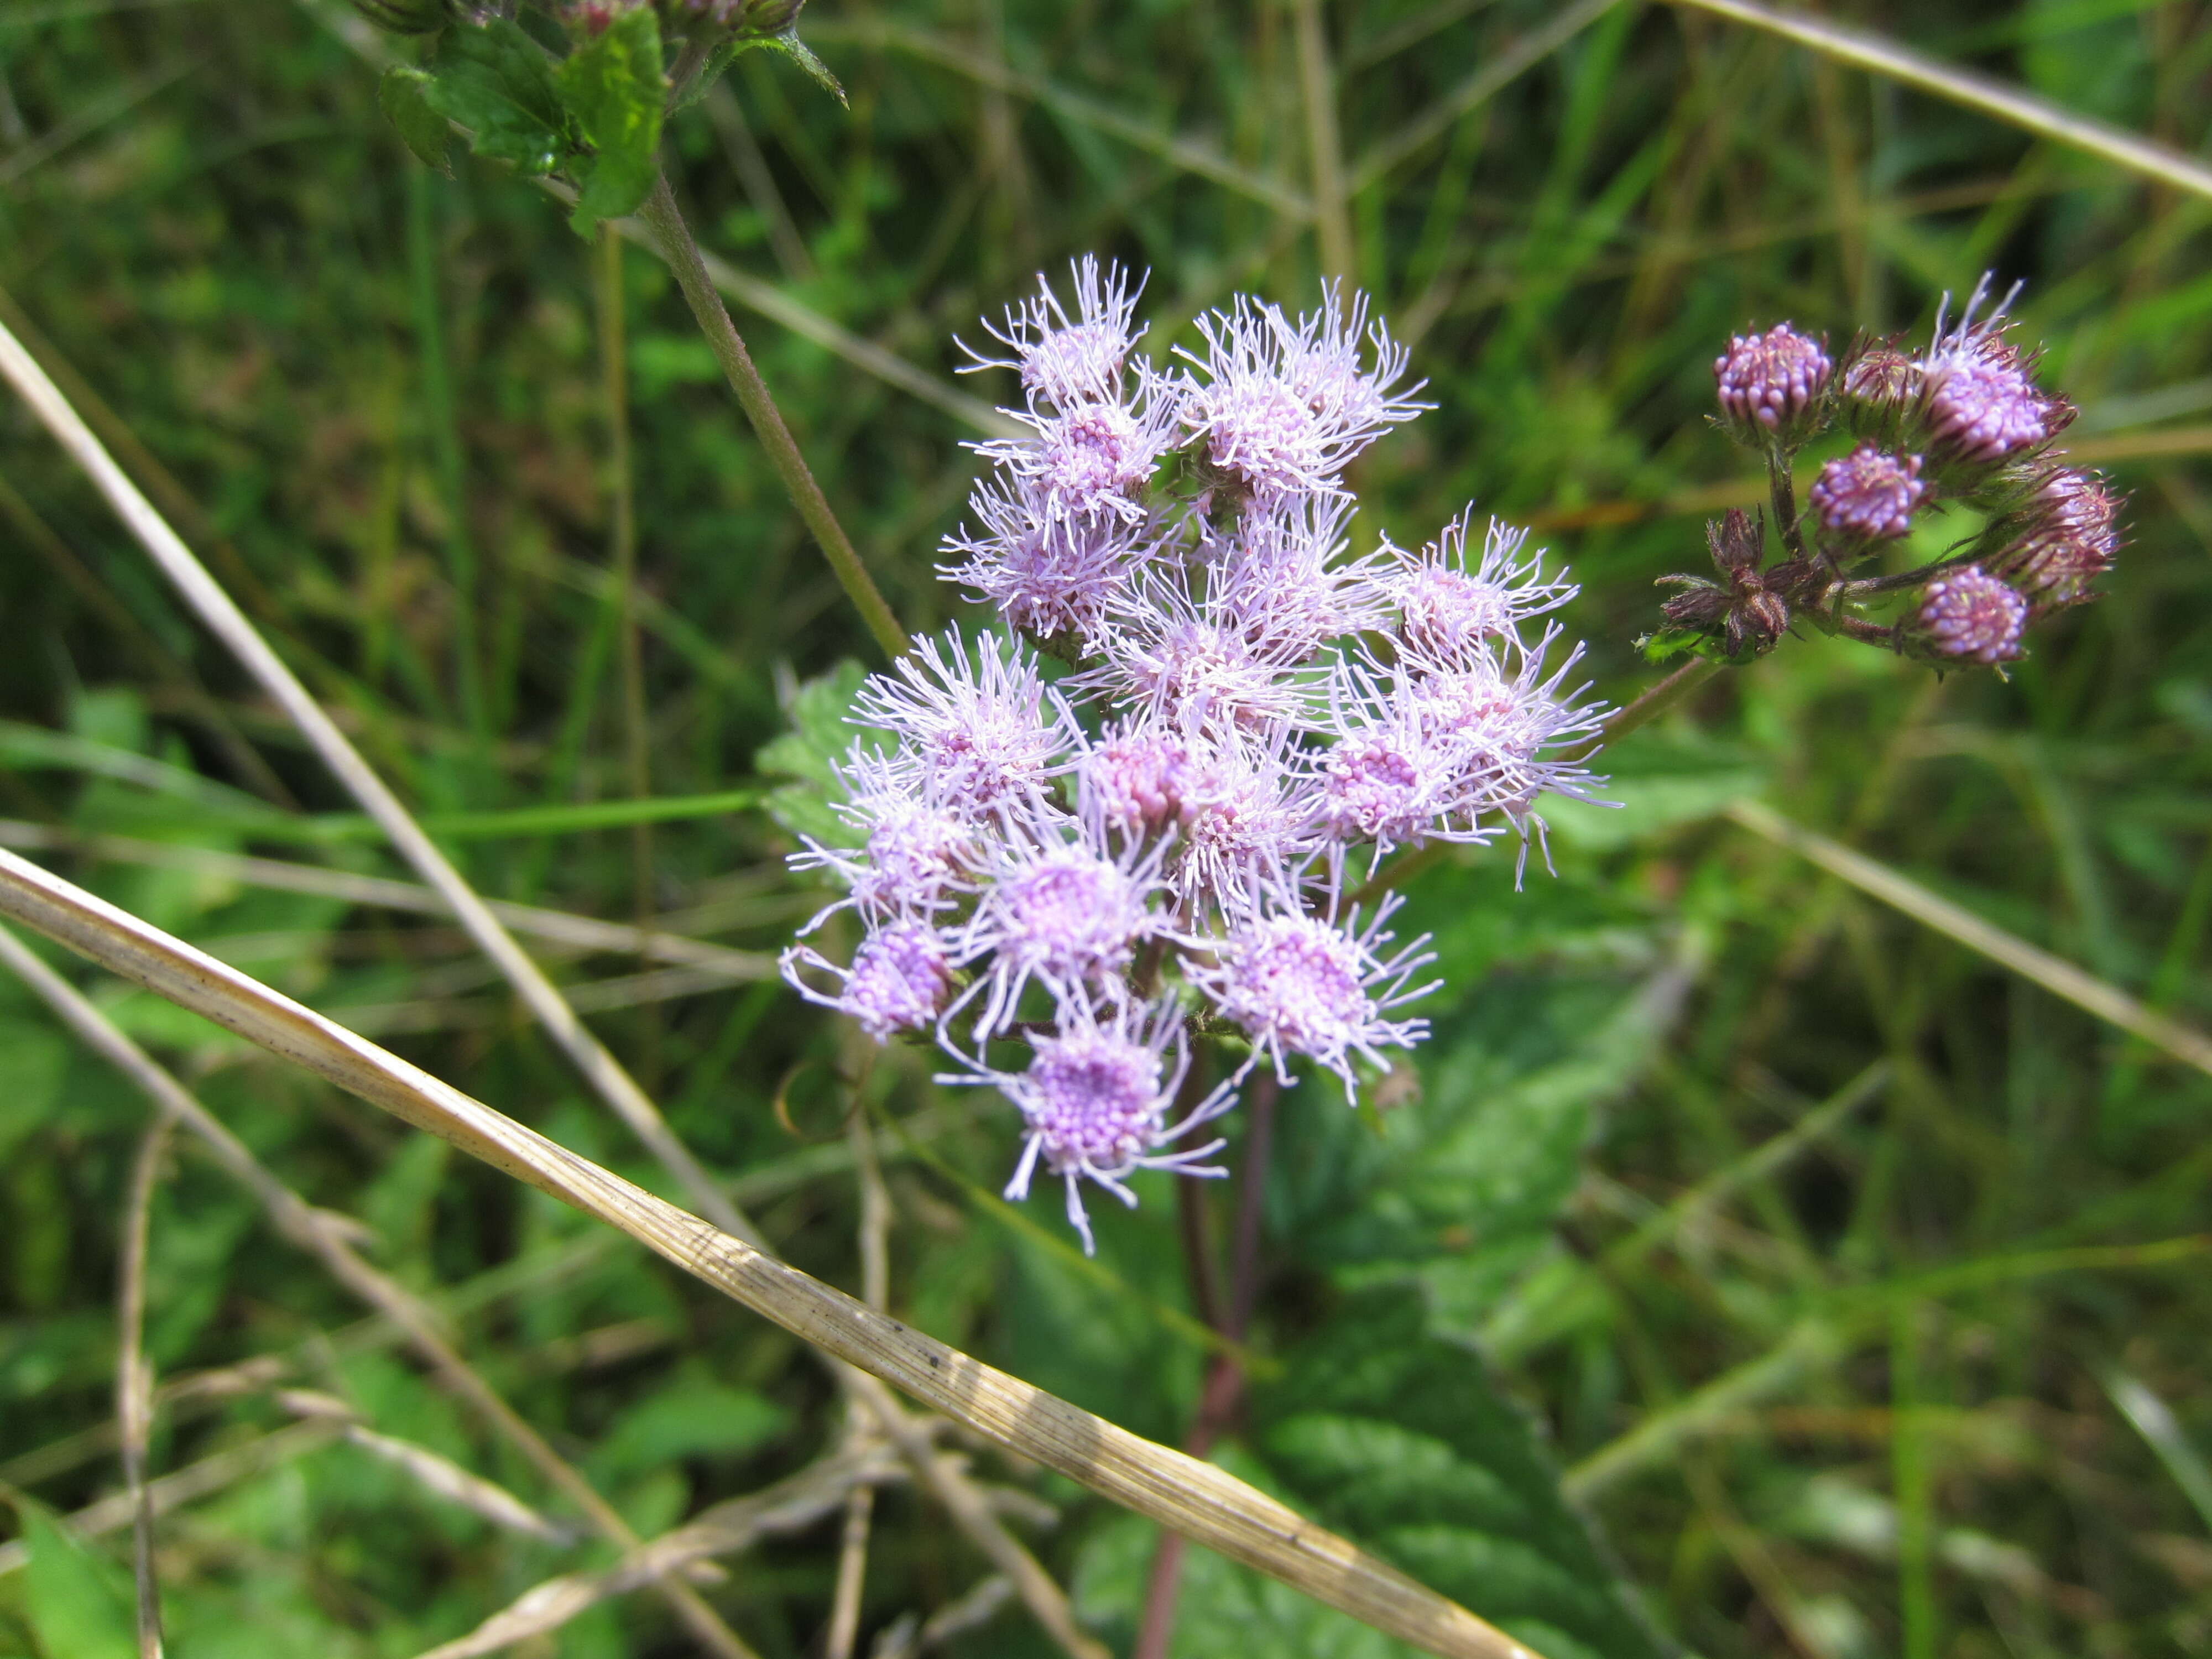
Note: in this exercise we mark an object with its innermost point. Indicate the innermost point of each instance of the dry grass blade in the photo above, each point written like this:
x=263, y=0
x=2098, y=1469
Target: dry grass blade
x=791, y=1505
x=229, y=624
x=2037, y=115
x=1204, y=1504
x=2054, y=974
x=434, y=1471
x=557, y=927
x=312, y=1230
x=134, y=1378
x=188, y=1485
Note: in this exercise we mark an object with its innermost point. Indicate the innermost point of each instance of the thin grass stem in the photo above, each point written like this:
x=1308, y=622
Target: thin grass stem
x=223, y=618
x=133, y=1376
x=2039, y=116
x=1325, y=145
x=666, y=219
x=2054, y=974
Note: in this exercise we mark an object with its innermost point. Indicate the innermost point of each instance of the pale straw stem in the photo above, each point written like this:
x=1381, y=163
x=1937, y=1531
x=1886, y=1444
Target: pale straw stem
x=1207, y=1504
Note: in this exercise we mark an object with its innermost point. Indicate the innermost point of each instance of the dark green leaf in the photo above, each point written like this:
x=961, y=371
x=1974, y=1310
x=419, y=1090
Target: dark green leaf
x=615, y=89
x=1398, y=1439
x=820, y=734
x=694, y=1417
x=730, y=50
x=403, y=93
x=495, y=81
x=1462, y=1185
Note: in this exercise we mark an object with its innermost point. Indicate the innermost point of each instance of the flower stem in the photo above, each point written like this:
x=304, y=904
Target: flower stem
x=666, y=221
x=1225, y=1378
x=1654, y=702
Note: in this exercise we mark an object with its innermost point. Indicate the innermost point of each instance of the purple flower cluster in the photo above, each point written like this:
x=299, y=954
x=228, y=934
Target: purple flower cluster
x=1960, y=421
x=1167, y=837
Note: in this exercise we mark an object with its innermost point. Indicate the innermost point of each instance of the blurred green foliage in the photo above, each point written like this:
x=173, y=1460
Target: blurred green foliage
x=1855, y=1400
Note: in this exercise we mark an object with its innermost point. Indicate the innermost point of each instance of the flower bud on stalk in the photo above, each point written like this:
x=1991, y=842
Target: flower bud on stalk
x=1747, y=607
x=1961, y=422
x=747, y=19
x=1966, y=616
x=1865, y=497
x=1774, y=387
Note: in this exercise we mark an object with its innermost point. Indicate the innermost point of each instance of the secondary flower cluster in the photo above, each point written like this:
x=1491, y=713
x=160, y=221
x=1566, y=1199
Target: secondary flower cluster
x=1958, y=424
x=1140, y=806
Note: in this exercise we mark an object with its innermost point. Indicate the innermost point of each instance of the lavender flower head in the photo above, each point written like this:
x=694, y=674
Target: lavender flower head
x=1159, y=841
x=1971, y=616
x=1769, y=381
x=1868, y=495
x=1982, y=406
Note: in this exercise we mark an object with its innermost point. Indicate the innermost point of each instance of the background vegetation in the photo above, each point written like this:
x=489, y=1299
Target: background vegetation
x=1856, y=1284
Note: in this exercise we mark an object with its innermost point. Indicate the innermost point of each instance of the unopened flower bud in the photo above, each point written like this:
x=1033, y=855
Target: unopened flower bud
x=2070, y=545
x=1868, y=495
x=1747, y=607
x=1969, y=616
x=1770, y=385
x=1883, y=374
x=749, y=20
x=1982, y=406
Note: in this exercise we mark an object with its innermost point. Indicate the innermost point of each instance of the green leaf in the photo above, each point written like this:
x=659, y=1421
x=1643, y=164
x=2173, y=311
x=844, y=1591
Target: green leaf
x=77, y=1605
x=694, y=1417
x=616, y=90
x=403, y=94
x=1398, y=1439
x=1659, y=782
x=495, y=81
x=788, y=43
x=33, y=1059
x=1461, y=1187
x=820, y=735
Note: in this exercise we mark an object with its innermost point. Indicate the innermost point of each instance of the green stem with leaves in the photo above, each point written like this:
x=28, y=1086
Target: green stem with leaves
x=666, y=219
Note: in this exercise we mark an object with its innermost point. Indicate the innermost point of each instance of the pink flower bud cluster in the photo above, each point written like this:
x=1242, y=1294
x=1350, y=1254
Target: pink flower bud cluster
x=1093, y=863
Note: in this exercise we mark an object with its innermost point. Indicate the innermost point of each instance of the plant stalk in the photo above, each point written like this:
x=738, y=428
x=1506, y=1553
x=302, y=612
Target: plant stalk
x=666, y=219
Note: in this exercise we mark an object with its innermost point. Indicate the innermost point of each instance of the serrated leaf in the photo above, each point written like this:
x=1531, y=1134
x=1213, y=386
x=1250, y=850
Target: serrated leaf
x=787, y=43
x=792, y=48
x=820, y=736
x=494, y=81
x=614, y=90
x=1461, y=1187
x=403, y=95
x=1398, y=1439
x=77, y=1607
